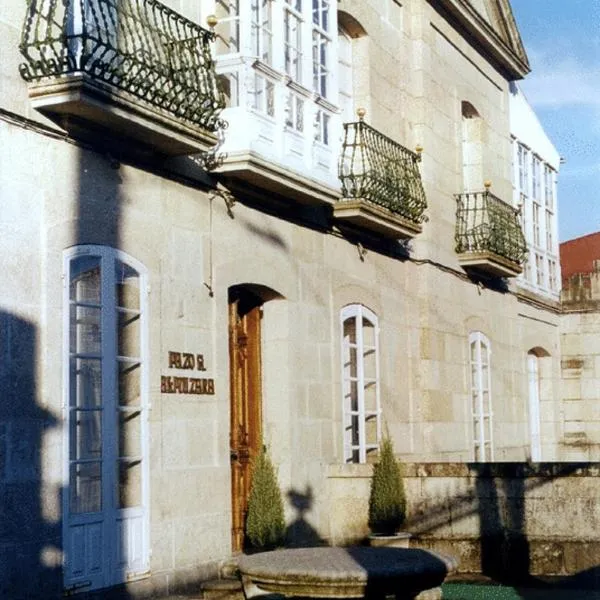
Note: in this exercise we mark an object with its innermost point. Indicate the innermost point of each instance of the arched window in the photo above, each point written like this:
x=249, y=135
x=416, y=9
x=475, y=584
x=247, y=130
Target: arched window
x=360, y=383
x=472, y=148
x=106, y=390
x=481, y=397
x=533, y=378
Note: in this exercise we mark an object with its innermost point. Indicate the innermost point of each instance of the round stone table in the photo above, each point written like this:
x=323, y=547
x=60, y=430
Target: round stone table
x=356, y=572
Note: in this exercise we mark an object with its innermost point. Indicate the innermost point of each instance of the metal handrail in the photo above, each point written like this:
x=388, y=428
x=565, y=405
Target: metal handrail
x=139, y=46
x=378, y=169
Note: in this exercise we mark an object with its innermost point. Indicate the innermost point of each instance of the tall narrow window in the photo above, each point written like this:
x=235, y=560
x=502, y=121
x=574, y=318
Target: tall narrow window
x=345, y=92
x=320, y=46
x=533, y=373
x=106, y=390
x=472, y=148
x=292, y=30
x=360, y=383
x=481, y=401
x=261, y=29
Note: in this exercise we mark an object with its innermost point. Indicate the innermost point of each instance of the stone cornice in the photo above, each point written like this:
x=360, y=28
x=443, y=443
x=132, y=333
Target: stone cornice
x=509, y=57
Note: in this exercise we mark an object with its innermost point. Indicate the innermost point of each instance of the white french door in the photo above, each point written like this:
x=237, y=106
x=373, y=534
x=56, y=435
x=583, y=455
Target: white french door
x=105, y=527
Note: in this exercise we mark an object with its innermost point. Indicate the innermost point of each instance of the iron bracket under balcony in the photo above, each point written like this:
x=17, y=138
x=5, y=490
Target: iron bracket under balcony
x=131, y=72
x=381, y=185
x=489, y=239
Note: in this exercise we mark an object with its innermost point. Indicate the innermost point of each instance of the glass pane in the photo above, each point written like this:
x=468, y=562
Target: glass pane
x=351, y=395
x=129, y=383
x=130, y=483
x=130, y=432
x=85, y=330
x=354, y=430
x=370, y=392
x=350, y=366
x=370, y=363
x=371, y=431
x=86, y=383
x=474, y=353
x=127, y=282
x=86, y=487
x=86, y=434
x=350, y=330
x=368, y=333
x=128, y=334
x=84, y=278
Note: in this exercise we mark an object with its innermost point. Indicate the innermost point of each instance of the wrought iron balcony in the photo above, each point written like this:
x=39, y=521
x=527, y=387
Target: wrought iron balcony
x=134, y=66
x=381, y=183
x=488, y=235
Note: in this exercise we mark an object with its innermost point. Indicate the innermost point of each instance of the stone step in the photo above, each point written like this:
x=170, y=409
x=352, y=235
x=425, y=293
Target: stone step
x=228, y=588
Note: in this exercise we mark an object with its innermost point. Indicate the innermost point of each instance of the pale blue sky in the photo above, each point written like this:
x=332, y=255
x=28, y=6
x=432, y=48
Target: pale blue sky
x=562, y=39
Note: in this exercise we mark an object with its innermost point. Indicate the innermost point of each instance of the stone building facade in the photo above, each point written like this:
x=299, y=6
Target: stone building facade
x=300, y=234
x=580, y=353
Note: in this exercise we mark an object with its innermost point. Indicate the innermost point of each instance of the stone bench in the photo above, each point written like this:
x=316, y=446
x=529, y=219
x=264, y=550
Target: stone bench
x=356, y=572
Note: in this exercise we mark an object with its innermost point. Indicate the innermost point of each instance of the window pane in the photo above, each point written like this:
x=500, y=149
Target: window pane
x=86, y=487
x=127, y=283
x=371, y=431
x=370, y=363
x=85, y=330
x=86, y=383
x=130, y=483
x=350, y=330
x=368, y=333
x=86, y=434
x=130, y=440
x=128, y=334
x=351, y=396
x=350, y=367
x=129, y=383
x=84, y=279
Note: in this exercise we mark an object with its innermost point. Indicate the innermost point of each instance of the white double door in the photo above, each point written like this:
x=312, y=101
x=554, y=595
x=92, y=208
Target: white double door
x=105, y=529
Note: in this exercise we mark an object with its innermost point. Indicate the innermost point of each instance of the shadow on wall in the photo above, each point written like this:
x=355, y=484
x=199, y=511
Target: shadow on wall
x=300, y=533
x=30, y=562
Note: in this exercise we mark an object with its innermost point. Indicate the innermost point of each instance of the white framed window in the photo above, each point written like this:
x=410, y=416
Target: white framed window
x=540, y=263
x=481, y=397
x=294, y=112
x=536, y=210
x=106, y=412
x=536, y=179
x=320, y=46
x=549, y=187
x=360, y=383
x=549, y=227
x=228, y=26
x=261, y=30
x=292, y=31
x=263, y=95
x=533, y=377
x=552, y=279
x=523, y=160
x=322, y=121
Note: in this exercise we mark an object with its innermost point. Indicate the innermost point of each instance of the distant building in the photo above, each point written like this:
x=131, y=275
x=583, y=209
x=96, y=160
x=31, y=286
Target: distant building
x=580, y=347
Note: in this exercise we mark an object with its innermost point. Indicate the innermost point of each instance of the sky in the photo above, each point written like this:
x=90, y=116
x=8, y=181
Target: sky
x=562, y=40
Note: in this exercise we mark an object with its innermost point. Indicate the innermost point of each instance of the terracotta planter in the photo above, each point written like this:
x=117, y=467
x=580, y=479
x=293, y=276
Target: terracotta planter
x=401, y=539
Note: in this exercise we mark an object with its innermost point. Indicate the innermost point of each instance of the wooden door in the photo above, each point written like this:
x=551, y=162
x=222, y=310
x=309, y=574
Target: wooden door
x=245, y=395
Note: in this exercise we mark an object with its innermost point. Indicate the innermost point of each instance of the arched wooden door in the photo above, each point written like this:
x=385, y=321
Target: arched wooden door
x=245, y=314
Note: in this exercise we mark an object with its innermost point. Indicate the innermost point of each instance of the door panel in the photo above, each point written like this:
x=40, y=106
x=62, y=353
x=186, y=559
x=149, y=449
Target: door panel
x=245, y=315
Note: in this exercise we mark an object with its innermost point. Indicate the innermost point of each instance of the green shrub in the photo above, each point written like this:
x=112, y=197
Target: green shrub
x=387, y=500
x=265, y=525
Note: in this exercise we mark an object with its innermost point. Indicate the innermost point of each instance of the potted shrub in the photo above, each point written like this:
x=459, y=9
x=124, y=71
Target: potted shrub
x=387, y=500
x=265, y=525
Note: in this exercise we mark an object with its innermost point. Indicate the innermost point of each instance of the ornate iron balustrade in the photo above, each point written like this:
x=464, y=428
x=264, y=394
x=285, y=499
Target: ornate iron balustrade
x=378, y=169
x=139, y=46
x=484, y=223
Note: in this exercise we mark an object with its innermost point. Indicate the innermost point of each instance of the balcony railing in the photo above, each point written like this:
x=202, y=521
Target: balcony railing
x=380, y=171
x=139, y=46
x=485, y=225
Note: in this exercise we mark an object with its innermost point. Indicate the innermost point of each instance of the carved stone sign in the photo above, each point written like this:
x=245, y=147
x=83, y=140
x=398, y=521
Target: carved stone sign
x=171, y=384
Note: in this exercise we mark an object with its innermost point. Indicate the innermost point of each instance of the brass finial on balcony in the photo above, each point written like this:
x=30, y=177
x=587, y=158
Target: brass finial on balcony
x=419, y=151
x=212, y=21
x=361, y=112
x=487, y=184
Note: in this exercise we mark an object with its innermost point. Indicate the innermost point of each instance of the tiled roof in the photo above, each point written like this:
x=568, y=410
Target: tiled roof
x=578, y=255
